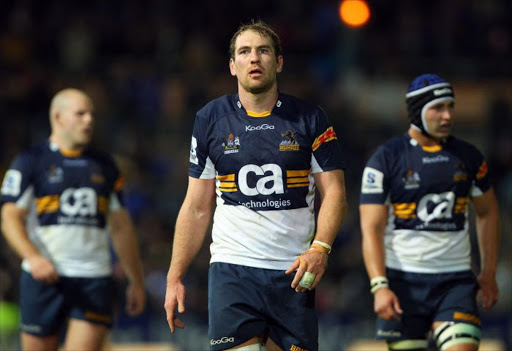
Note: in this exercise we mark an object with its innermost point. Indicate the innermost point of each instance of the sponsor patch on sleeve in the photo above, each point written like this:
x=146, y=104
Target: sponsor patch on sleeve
x=11, y=185
x=482, y=171
x=373, y=181
x=193, y=152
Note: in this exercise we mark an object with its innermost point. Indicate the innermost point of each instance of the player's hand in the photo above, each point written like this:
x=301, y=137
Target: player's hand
x=312, y=262
x=135, y=299
x=174, y=297
x=386, y=304
x=488, y=293
x=42, y=269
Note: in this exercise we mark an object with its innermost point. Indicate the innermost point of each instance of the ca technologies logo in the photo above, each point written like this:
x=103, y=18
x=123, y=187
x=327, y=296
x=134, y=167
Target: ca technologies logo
x=261, y=127
x=223, y=340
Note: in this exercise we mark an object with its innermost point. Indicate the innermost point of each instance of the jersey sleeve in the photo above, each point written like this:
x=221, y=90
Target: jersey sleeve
x=117, y=194
x=481, y=179
x=326, y=149
x=200, y=164
x=374, y=187
x=17, y=183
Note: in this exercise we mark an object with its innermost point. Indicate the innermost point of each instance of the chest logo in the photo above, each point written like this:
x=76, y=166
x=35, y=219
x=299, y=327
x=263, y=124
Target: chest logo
x=289, y=143
x=411, y=179
x=55, y=174
x=231, y=144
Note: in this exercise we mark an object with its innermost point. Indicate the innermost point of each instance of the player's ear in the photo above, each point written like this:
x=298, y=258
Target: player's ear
x=280, y=63
x=232, y=67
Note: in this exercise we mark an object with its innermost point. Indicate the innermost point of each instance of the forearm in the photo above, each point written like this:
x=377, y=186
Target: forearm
x=125, y=244
x=191, y=227
x=488, y=240
x=330, y=217
x=373, y=222
x=15, y=233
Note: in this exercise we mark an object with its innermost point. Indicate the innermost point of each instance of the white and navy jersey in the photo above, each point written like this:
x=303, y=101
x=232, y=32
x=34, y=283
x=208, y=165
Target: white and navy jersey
x=263, y=165
x=68, y=196
x=427, y=190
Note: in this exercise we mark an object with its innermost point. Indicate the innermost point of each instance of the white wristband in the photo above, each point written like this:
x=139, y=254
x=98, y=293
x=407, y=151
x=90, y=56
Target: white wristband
x=321, y=243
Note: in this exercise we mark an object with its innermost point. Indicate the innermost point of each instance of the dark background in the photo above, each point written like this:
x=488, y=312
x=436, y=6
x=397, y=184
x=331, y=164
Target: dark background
x=150, y=65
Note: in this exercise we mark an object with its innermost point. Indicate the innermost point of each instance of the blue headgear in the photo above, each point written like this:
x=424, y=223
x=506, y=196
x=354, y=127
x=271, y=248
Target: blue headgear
x=424, y=91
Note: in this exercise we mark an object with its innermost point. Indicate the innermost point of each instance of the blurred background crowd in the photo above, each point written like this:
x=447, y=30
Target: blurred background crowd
x=150, y=65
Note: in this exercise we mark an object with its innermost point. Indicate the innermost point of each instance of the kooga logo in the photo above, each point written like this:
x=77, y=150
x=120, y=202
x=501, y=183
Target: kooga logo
x=262, y=127
x=222, y=340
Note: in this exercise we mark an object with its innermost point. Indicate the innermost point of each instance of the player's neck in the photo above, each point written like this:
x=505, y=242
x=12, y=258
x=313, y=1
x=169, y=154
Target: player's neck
x=422, y=139
x=63, y=145
x=258, y=102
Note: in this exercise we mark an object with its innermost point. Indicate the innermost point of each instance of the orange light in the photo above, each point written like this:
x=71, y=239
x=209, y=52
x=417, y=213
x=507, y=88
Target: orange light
x=354, y=13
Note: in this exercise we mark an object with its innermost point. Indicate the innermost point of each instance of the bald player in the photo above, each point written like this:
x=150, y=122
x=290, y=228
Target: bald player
x=60, y=201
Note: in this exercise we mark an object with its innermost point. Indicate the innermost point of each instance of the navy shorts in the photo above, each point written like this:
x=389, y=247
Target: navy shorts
x=45, y=308
x=245, y=302
x=428, y=298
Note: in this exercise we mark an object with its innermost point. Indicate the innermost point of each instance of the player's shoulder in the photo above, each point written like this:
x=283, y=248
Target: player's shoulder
x=100, y=156
x=218, y=108
x=298, y=105
x=461, y=145
x=33, y=153
x=394, y=145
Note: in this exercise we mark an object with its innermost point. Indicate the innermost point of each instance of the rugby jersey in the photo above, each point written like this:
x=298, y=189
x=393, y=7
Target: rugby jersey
x=68, y=196
x=263, y=165
x=427, y=190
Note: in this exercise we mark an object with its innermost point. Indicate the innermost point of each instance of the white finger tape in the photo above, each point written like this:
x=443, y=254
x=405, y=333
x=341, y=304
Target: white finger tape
x=307, y=280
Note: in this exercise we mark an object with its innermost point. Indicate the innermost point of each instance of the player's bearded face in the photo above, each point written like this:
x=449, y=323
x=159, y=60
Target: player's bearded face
x=439, y=119
x=255, y=64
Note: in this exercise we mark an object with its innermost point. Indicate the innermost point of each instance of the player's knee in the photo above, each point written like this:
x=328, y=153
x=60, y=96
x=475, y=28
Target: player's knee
x=252, y=347
x=408, y=345
x=450, y=334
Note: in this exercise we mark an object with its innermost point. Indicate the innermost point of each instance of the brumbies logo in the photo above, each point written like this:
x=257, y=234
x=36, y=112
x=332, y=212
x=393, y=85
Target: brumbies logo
x=411, y=179
x=55, y=174
x=290, y=142
x=231, y=144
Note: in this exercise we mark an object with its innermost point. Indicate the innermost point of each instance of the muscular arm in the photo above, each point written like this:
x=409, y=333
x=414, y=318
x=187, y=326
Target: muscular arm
x=191, y=226
x=125, y=244
x=331, y=186
x=373, y=224
x=487, y=226
x=13, y=228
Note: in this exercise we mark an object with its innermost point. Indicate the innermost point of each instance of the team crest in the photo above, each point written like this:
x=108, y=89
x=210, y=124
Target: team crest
x=411, y=179
x=231, y=144
x=290, y=142
x=97, y=177
x=460, y=174
x=55, y=174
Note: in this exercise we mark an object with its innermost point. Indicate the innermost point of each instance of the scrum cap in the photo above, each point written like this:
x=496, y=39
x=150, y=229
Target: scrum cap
x=424, y=91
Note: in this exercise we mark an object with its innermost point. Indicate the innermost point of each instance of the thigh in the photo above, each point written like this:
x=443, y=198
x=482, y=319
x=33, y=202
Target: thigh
x=42, y=306
x=291, y=317
x=412, y=290
x=85, y=336
x=235, y=305
x=457, y=299
x=91, y=299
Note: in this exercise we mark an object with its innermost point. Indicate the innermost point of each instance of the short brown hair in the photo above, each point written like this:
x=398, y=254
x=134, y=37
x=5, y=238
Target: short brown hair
x=259, y=27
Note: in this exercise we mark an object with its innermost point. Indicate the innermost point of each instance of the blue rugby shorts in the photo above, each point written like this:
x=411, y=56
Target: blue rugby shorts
x=245, y=302
x=45, y=308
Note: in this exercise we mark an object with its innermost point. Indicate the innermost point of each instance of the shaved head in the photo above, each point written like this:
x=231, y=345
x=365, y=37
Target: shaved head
x=64, y=98
x=71, y=118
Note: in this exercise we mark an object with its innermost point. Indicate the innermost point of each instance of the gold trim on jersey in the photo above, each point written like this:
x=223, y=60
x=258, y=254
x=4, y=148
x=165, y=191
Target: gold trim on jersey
x=326, y=136
x=404, y=210
x=461, y=205
x=297, y=178
x=102, y=204
x=258, y=114
x=433, y=148
x=47, y=204
x=227, y=183
x=70, y=152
